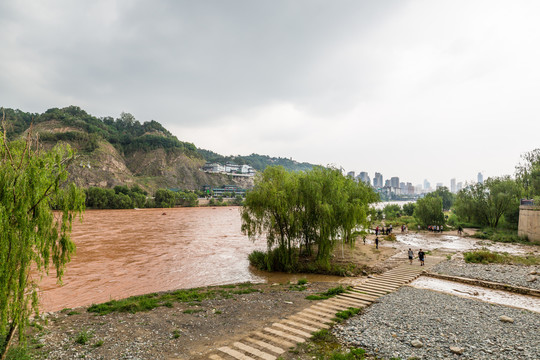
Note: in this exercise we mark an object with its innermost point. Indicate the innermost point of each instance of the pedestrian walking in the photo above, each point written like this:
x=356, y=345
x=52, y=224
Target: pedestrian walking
x=411, y=255
x=364, y=238
x=421, y=256
x=377, y=242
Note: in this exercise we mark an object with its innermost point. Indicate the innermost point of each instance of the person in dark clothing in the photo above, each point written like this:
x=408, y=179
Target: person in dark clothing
x=377, y=242
x=411, y=254
x=421, y=256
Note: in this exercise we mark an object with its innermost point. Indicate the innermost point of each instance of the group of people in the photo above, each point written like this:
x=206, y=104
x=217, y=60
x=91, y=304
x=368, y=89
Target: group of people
x=383, y=230
x=421, y=256
x=435, y=228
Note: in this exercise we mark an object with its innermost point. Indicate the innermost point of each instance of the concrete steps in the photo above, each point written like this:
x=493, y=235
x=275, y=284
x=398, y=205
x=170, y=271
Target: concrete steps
x=271, y=341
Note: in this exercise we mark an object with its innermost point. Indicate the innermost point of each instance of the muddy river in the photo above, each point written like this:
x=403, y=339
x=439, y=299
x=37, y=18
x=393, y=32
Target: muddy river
x=121, y=253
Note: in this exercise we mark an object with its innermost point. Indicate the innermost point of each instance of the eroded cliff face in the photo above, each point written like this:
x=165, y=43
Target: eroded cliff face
x=106, y=167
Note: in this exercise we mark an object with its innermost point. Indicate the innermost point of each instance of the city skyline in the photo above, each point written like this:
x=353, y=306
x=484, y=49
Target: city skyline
x=379, y=181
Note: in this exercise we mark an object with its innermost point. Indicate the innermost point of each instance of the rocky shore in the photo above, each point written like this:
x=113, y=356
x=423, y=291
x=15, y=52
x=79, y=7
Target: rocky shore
x=423, y=324
x=517, y=275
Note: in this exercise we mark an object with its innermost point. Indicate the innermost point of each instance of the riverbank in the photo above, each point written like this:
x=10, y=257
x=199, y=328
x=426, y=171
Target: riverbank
x=176, y=330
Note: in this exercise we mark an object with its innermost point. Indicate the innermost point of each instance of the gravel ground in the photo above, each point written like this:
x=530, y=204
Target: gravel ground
x=509, y=274
x=439, y=322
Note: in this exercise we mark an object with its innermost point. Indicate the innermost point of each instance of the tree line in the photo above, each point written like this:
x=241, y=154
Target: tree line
x=123, y=197
x=304, y=213
x=491, y=204
x=125, y=133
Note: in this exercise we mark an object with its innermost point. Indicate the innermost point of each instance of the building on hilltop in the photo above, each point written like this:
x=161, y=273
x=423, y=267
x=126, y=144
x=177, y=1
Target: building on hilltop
x=229, y=168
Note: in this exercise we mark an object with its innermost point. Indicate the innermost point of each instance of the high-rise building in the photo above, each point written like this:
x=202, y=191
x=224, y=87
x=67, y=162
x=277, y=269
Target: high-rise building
x=480, y=178
x=378, y=180
x=453, y=186
x=439, y=185
x=459, y=186
x=350, y=174
x=394, y=182
x=387, y=183
x=427, y=185
x=364, y=177
x=418, y=189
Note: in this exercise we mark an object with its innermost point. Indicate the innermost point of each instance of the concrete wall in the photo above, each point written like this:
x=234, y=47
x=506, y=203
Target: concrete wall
x=529, y=222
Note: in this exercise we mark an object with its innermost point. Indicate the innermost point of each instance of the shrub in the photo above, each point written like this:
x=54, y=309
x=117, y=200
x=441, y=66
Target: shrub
x=83, y=337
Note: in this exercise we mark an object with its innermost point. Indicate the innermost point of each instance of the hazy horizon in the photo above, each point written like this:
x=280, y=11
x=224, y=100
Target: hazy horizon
x=415, y=89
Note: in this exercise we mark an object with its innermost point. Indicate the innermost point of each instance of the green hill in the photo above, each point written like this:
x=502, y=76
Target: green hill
x=124, y=151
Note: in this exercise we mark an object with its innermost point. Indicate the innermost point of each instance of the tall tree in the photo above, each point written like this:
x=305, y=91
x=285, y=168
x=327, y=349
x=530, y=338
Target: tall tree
x=528, y=174
x=32, y=184
x=429, y=211
x=486, y=203
x=446, y=196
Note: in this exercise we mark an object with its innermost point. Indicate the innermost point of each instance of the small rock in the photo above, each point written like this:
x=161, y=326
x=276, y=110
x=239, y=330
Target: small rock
x=417, y=343
x=394, y=335
x=456, y=350
x=531, y=278
x=534, y=272
x=505, y=318
x=275, y=284
x=288, y=302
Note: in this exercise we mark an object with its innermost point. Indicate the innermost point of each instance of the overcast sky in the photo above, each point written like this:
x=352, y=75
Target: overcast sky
x=415, y=89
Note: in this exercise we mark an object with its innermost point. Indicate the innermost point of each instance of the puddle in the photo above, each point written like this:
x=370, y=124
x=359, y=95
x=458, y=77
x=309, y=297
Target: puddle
x=531, y=303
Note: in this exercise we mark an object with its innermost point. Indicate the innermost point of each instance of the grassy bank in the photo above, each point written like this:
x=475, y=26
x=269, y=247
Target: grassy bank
x=502, y=235
x=268, y=261
x=490, y=257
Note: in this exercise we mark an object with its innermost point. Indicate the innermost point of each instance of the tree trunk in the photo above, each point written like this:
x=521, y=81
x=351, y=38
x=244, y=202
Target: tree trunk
x=7, y=341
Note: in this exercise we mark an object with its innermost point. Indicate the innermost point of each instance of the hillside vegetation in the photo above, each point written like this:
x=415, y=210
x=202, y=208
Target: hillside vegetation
x=124, y=151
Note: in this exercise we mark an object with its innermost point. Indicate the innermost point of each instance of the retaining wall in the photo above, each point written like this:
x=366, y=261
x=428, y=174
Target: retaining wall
x=529, y=222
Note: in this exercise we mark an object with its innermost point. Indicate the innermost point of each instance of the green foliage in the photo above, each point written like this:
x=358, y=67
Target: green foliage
x=302, y=281
x=132, y=304
x=346, y=314
x=408, y=209
x=33, y=183
x=83, y=337
x=486, y=203
x=392, y=211
x=176, y=334
x=501, y=235
x=489, y=257
x=528, y=174
x=125, y=133
x=328, y=293
x=429, y=211
x=309, y=210
x=447, y=197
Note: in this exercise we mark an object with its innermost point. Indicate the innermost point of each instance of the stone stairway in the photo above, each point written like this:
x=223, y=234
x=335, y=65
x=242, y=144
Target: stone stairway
x=275, y=339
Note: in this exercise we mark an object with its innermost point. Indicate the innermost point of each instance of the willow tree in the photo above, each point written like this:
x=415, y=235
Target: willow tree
x=32, y=235
x=313, y=209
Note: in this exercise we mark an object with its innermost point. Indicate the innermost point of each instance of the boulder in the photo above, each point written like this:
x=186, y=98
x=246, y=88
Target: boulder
x=506, y=319
x=456, y=350
x=417, y=343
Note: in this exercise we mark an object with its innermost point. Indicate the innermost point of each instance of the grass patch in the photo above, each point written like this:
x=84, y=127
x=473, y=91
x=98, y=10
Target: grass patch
x=176, y=334
x=83, y=337
x=489, y=257
x=323, y=346
x=98, y=343
x=345, y=314
x=327, y=294
x=502, y=235
x=72, y=312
